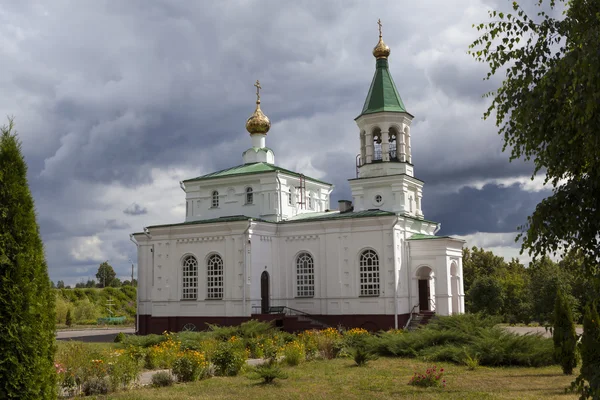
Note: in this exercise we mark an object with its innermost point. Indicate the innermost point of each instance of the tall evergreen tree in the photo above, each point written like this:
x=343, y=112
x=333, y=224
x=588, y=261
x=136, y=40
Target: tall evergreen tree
x=588, y=381
x=27, y=312
x=564, y=336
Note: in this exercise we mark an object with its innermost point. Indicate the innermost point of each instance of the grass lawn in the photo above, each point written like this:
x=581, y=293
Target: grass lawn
x=380, y=379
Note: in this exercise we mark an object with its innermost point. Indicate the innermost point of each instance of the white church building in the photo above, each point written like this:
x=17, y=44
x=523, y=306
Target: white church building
x=260, y=241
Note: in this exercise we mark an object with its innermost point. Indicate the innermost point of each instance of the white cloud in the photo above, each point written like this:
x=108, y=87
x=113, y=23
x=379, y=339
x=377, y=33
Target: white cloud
x=88, y=249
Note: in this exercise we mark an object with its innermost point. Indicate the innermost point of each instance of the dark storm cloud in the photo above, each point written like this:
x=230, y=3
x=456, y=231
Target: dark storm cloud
x=492, y=208
x=110, y=95
x=135, y=209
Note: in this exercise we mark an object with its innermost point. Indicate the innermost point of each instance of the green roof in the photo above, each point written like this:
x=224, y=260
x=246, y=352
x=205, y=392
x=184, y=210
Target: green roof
x=248, y=169
x=383, y=95
x=316, y=216
x=232, y=218
x=419, y=236
x=331, y=215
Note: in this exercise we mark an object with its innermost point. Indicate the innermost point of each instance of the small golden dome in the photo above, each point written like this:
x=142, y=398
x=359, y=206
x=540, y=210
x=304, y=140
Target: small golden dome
x=382, y=50
x=258, y=122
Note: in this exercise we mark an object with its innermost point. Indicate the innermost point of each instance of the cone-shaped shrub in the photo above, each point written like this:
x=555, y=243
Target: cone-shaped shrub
x=27, y=311
x=590, y=351
x=564, y=336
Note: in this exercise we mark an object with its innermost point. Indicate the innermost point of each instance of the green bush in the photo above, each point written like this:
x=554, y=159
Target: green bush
x=144, y=341
x=162, y=379
x=85, y=311
x=27, y=313
x=564, y=336
x=453, y=338
x=190, y=366
x=228, y=359
x=124, y=368
x=246, y=330
x=268, y=372
x=68, y=318
x=95, y=386
x=362, y=356
x=588, y=382
x=293, y=353
x=120, y=338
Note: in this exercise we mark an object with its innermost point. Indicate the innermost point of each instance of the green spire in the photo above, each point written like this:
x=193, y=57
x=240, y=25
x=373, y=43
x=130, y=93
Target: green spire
x=383, y=95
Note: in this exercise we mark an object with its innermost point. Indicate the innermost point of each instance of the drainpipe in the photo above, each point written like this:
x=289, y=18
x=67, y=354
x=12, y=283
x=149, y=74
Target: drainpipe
x=182, y=185
x=137, y=307
x=395, y=279
x=406, y=249
x=245, y=266
x=437, y=229
x=279, y=203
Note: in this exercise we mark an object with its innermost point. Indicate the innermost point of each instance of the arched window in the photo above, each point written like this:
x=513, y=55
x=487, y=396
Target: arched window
x=369, y=273
x=310, y=201
x=190, y=278
x=214, y=281
x=215, y=199
x=305, y=275
x=393, y=143
x=290, y=197
x=377, y=144
x=249, y=196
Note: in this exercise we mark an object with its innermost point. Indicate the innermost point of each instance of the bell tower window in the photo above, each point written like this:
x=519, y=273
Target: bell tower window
x=377, y=144
x=393, y=144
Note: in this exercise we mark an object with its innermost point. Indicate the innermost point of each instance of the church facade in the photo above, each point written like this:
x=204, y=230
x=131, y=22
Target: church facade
x=259, y=239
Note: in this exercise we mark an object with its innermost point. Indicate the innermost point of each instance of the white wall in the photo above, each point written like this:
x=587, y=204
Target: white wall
x=335, y=245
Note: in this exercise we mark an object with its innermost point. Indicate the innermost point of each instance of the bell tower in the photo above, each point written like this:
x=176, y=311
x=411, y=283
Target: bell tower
x=385, y=174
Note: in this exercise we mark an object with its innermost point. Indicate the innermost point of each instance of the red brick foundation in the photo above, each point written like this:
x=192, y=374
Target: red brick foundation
x=149, y=324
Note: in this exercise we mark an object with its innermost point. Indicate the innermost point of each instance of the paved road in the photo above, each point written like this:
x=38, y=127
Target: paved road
x=539, y=329
x=93, y=335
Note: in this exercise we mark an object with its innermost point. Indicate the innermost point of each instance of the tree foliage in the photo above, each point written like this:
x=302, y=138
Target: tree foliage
x=105, y=275
x=548, y=110
x=27, y=342
x=588, y=381
x=563, y=335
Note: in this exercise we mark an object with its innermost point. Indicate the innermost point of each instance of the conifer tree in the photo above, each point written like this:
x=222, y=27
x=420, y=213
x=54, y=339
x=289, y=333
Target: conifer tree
x=588, y=381
x=564, y=336
x=69, y=318
x=27, y=310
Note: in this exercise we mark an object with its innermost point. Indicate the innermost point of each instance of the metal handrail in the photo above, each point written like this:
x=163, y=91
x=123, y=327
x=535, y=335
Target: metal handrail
x=293, y=311
x=410, y=315
x=305, y=315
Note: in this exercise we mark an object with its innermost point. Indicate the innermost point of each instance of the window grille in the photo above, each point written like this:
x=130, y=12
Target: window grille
x=190, y=278
x=369, y=273
x=214, y=279
x=305, y=275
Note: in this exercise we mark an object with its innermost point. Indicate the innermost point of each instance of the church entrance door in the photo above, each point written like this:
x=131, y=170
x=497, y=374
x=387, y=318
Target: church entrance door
x=264, y=292
x=424, y=294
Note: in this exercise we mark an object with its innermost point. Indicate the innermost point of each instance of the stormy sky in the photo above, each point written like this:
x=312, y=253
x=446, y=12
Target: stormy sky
x=117, y=101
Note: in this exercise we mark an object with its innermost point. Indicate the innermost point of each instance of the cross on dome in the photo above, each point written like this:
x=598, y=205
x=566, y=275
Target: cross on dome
x=382, y=50
x=258, y=122
x=258, y=87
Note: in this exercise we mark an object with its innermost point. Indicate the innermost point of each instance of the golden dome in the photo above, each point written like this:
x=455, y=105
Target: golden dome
x=258, y=121
x=382, y=50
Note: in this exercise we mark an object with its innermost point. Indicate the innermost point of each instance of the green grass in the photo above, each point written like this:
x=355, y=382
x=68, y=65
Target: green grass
x=382, y=379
